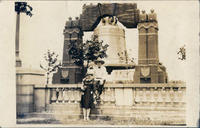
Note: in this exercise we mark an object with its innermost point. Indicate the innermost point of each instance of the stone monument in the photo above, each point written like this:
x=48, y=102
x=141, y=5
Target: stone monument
x=92, y=16
x=70, y=73
x=149, y=69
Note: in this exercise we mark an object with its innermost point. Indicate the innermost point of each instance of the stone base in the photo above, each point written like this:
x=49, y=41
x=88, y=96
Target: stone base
x=30, y=76
x=156, y=74
x=26, y=80
x=112, y=112
x=67, y=75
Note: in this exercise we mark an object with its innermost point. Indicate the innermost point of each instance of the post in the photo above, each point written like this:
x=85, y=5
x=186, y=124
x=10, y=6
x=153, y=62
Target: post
x=18, y=61
x=46, y=98
x=20, y=7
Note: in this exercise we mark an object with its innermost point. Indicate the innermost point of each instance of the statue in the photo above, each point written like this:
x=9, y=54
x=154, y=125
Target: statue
x=143, y=16
x=76, y=22
x=152, y=16
x=68, y=23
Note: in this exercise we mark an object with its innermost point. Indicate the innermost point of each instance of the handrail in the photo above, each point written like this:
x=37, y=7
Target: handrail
x=114, y=85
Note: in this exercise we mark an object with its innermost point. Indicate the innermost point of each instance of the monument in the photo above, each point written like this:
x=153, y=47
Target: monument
x=148, y=98
x=149, y=69
x=102, y=19
x=70, y=73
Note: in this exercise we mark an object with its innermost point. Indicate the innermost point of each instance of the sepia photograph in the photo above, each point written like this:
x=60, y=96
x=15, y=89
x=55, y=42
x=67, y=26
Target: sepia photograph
x=99, y=63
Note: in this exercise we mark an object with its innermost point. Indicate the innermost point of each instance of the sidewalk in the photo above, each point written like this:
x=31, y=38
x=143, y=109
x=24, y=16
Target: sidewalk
x=45, y=119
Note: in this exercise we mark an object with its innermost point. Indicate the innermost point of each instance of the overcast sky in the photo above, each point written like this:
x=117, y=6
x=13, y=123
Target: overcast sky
x=178, y=25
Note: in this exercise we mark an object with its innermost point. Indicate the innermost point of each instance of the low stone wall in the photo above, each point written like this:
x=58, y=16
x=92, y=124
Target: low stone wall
x=147, y=102
x=155, y=102
x=123, y=94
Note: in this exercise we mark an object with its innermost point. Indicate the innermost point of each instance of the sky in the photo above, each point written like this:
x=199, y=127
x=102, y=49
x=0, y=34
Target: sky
x=177, y=23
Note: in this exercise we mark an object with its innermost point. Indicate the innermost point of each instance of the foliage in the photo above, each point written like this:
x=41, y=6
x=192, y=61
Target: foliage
x=91, y=50
x=76, y=52
x=24, y=8
x=51, y=63
x=182, y=53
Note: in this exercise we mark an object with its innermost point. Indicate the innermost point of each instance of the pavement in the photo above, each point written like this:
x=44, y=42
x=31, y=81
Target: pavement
x=96, y=122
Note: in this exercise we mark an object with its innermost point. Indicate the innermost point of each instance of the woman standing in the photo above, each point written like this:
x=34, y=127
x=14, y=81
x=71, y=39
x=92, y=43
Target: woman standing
x=87, y=95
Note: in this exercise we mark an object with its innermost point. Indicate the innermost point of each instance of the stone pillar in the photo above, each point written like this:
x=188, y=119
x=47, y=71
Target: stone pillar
x=142, y=56
x=30, y=90
x=149, y=70
x=70, y=73
x=148, y=40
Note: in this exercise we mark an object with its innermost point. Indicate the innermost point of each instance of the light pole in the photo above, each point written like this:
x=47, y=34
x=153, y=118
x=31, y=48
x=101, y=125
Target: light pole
x=20, y=7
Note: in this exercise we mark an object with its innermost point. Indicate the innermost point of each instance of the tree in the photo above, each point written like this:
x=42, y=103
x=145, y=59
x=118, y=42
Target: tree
x=182, y=53
x=89, y=51
x=51, y=63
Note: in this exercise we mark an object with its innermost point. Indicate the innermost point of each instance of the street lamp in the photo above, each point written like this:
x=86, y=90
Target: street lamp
x=20, y=7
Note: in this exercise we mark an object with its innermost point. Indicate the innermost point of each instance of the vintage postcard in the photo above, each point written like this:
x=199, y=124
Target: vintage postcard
x=99, y=63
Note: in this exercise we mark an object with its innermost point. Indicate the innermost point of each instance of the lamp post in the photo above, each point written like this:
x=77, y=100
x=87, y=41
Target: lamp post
x=20, y=7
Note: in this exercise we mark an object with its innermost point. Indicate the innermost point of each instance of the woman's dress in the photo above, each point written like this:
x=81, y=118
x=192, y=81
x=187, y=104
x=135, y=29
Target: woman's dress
x=87, y=98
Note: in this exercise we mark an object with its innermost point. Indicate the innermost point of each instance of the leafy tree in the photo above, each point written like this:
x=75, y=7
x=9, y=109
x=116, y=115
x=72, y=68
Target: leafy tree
x=51, y=63
x=89, y=51
x=182, y=53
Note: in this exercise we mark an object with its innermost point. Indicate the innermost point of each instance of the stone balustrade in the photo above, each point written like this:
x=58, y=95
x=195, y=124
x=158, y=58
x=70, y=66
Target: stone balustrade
x=124, y=94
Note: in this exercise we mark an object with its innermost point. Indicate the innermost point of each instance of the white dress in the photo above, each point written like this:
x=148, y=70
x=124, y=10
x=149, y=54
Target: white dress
x=100, y=73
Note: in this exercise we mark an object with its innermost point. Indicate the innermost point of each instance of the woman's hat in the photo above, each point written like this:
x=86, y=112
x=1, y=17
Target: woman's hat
x=89, y=72
x=99, y=60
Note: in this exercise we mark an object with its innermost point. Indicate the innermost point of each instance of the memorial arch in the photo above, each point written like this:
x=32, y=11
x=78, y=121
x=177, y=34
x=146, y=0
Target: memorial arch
x=148, y=70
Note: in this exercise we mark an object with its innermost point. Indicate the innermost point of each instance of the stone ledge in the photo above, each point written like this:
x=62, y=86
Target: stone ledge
x=118, y=85
x=29, y=71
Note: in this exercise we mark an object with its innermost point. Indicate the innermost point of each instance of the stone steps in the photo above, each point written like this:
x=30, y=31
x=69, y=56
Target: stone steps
x=62, y=113
x=112, y=111
x=62, y=118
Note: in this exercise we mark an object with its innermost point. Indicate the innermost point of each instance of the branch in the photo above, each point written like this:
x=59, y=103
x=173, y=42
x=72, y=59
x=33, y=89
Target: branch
x=43, y=68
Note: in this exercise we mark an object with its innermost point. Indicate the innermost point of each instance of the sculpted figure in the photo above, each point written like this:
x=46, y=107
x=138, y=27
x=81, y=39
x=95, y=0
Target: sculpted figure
x=152, y=16
x=69, y=23
x=143, y=16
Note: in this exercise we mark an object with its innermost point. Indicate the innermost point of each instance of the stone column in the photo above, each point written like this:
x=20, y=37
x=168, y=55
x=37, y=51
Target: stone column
x=148, y=70
x=152, y=41
x=148, y=39
x=70, y=72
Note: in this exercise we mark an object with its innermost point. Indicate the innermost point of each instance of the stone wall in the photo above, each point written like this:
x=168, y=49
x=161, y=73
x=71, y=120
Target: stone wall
x=152, y=102
x=147, y=102
x=26, y=79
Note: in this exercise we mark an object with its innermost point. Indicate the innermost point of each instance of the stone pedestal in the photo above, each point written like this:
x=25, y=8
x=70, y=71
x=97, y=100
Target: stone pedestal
x=68, y=75
x=26, y=80
x=150, y=74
